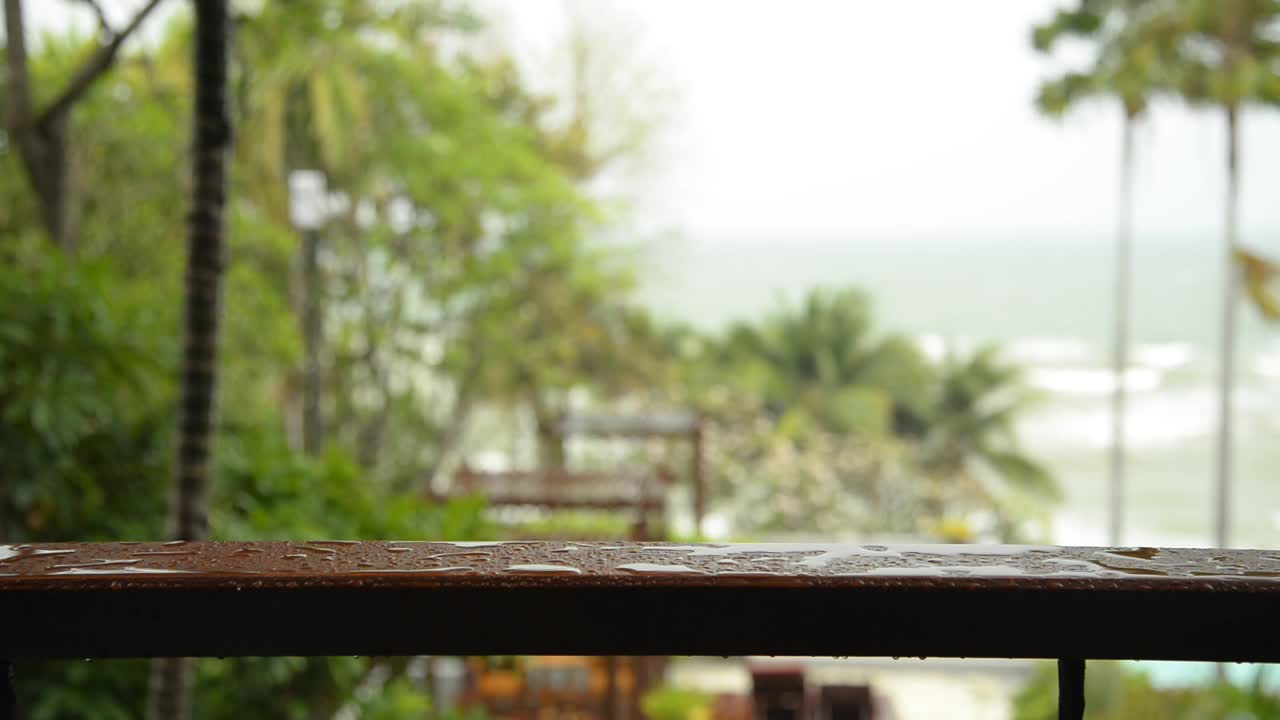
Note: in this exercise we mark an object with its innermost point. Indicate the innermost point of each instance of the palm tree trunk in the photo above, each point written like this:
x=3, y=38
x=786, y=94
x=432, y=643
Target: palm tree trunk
x=1120, y=339
x=1226, y=379
x=170, y=690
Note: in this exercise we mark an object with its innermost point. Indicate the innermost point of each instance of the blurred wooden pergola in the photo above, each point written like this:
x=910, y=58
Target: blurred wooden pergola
x=676, y=425
x=610, y=686
x=643, y=492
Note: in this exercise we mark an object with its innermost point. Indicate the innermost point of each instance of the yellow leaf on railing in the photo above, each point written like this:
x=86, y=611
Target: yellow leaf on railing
x=1260, y=282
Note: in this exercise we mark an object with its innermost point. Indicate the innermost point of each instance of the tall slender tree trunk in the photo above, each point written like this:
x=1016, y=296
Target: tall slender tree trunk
x=40, y=138
x=1120, y=338
x=170, y=690
x=454, y=432
x=1226, y=378
x=43, y=150
x=312, y=340
x=551, y=442
x=40, y=134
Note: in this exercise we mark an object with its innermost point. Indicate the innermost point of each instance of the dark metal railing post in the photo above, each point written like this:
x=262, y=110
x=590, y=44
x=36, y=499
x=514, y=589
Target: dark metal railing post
x=1071, y=689
x=8, y=695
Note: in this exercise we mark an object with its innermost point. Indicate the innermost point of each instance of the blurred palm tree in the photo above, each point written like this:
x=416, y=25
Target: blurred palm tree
x=1224, y=54
x=1125, y=69
x=304, y=95
x=821, y=363
x=1260, y=276
x=305, y=89
x=971, y=436
x=821, y=372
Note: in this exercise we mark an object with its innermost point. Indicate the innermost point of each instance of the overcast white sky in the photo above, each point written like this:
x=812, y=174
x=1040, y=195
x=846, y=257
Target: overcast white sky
x=843, y=119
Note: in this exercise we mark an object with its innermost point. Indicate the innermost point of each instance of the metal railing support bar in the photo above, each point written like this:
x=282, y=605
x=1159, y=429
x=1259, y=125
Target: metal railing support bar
x=8, y=695
x=1071, y=689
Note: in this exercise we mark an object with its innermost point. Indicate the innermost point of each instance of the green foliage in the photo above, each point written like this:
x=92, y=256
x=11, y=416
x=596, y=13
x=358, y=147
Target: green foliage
x=1259, y=274
x=1224, y=51
x=821, y=362
x=1219, y=52
x=826, y=426
x=399, y=699
x=85, y=412
x=1128, y=62
x=1114, y=691
x=971, y=418
x=80, y=449
x=266, y=491
x=669, y=703
x=576, y=524
x=304, y=688
x=102, y=689
x=463, y=270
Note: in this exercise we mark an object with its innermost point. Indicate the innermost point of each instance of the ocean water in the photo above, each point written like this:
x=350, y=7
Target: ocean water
x=1048, y=304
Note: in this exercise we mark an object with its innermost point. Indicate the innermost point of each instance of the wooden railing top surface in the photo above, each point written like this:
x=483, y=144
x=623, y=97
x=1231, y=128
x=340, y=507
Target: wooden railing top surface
x=522, y=563
x=336, y=597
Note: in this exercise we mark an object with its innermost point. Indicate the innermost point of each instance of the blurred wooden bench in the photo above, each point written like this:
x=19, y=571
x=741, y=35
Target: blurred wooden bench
x=564, y=490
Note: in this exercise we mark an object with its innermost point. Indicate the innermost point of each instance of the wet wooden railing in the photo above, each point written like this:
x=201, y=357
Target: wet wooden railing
x=407, y=598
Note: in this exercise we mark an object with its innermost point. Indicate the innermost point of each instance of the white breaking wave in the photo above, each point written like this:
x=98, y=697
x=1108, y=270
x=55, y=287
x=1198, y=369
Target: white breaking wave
x=933, y=346
x=1035, y=350
x=1056, y=353
x=1163, y=356
x=1154, y=421
x=936, y=347
x=1267, y=365
x=1093, y=381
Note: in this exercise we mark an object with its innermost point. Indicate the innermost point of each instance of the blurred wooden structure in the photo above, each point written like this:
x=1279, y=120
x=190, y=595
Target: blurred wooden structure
x=778, y=692
x=561, y=489
x=530, y=688
x=674, y=425
x=643, y=495
x=783, y=692
x=601, y=687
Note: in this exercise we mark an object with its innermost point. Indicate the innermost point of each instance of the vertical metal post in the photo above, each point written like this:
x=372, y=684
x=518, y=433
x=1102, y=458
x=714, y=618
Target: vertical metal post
x=1071, y=689
x=8, y=695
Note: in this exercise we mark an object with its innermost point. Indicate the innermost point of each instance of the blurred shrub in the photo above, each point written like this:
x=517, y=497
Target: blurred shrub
x=266, y=491
x=587, y=525
x=83, y=438
x=670, y=703
x=86, y=416
x=1115, y=691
